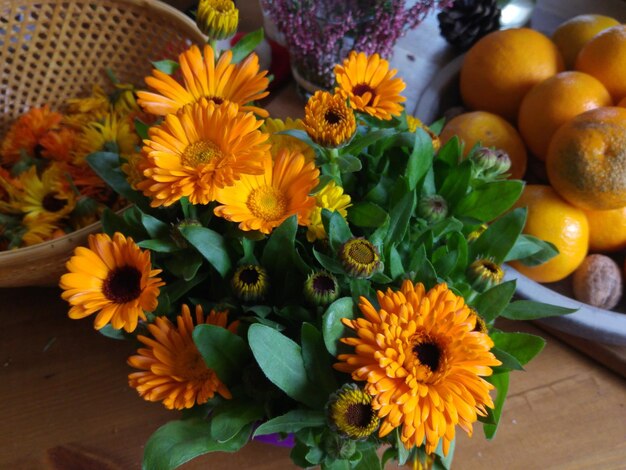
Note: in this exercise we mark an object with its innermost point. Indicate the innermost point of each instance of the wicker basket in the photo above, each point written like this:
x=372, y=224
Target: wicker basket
x=53, y=50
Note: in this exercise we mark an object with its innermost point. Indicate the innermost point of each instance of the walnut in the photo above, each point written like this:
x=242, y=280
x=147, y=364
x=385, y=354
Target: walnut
x=598, y=282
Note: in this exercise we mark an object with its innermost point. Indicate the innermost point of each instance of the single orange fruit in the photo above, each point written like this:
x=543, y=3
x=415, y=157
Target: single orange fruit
x=571, y=35
x=586, y=161
x=607, y=230
x=553, y=219
x=604, y=57
x=503, y=65
x=490, y=130
x=553, y=102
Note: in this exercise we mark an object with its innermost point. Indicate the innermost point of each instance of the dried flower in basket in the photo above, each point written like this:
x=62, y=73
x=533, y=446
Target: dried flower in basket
x=47, y=188
x=334, y=280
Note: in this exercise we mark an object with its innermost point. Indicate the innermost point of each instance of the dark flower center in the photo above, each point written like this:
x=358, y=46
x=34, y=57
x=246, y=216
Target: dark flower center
x=323, y=284
x=122, y=284
x=362, y=88
x=215, y=99
x=359, y=414
x=249, y=276
x=428, y=353
x=51, y=203
x=362, y=252
x=332, y=117
x=491, y=267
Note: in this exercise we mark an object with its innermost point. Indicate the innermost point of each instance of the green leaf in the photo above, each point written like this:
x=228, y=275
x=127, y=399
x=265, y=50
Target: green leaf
x=246, y=45
x=329, y=263
x=420, y=159
x=280, y=358
x=317, y=362
x=184, y=264
x=349, y=163
x=492, y=302
x=403, y=453
x=154, y=227
x=369, y=460
x=396, y=268
x=490, y=200
x=522, y=346
x=141, y=128
x=223, y=351
x=279, y=249
x=336, y=227
x=160, y=246
x=509, y=362
x=166, y=66
x=456, y=184
x=367, y=214
x=107, y=166
x=531, y=310
x=400, y=214
x=211, y=246
x=359, y=144
x=422, y=268
x=292, y=421
x=532, y=251
x=112, y=333
x=500, y=237
x=178, y=442
x=450, y=152
x=229, y=418
x=501, y=382
x=332, y=328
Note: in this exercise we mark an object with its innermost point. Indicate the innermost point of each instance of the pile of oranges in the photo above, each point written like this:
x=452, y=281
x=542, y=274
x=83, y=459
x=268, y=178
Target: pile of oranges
x=556, y=105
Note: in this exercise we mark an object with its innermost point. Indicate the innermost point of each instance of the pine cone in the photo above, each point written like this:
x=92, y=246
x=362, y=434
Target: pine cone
x=466, y=21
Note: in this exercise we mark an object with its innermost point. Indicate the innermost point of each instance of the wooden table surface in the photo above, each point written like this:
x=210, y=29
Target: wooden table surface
x=66, y=404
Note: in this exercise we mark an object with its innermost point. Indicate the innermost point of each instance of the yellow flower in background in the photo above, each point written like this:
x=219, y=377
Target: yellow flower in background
x=171, y=368
x=262, y=202
x=328, y=120
x=49, y=195
x=113, y=279
x=124, y=101
x=81, y=111
x=39, y=229
x=330, y=197
x=26, y=133
x=218, y=19
x=416, y=123
x=279, y=141
x=423, y=362
x=369, y=85
x=223, y=81
x=133, y=167
x=112, y=133
x=205, y=148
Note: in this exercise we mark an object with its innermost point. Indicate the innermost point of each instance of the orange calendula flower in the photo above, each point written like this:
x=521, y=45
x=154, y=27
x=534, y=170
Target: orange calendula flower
x=59, y=145
x=205, y=148
x=25, y=135
x=263, y=202
x=113, y=278
x=171, y=367
x=223, y=81
x=369, y=85
x=423, y=363
x=328, y=120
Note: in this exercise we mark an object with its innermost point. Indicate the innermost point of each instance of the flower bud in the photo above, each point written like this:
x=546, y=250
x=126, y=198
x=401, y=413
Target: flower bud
x=484, y=158
x=321, y=288
x=502, y=164
x=484, y=273
x=359, y=257
x=250, y=282
x=432, y=208
x=218, y=19
x=350, y=413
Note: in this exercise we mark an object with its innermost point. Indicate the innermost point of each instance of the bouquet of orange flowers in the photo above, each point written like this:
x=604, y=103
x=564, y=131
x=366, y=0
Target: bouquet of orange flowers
x=331, y=281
